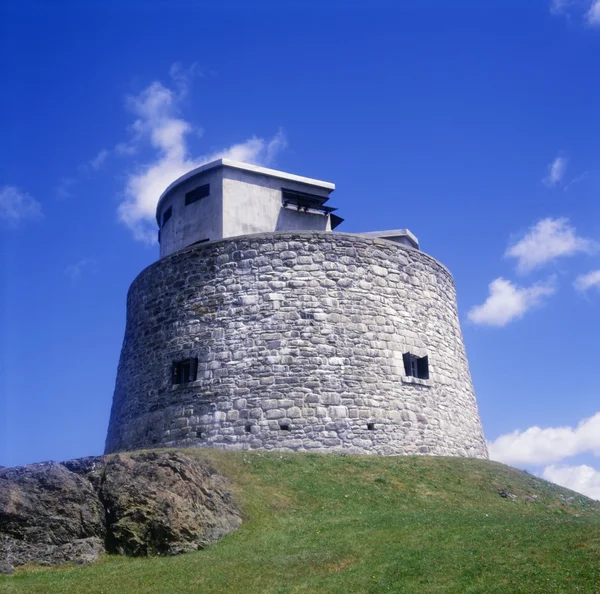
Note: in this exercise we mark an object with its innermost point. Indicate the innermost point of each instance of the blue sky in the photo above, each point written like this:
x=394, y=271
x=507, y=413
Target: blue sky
x=471, y=123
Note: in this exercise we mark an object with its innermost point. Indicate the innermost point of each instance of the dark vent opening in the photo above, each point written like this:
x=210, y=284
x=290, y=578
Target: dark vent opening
x=304, y=201
x=198, y=433
x=371, y=426
x=197, y=194
x=248, y=428
x=284, y=427
x=167, y=215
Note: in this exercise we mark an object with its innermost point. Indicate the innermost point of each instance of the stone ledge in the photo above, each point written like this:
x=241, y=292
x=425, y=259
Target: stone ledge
x=196, y=384
x=408, y=379
x=281, y=235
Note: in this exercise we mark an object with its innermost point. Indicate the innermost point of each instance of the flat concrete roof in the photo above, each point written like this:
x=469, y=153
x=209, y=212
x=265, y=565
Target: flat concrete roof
x=246, y=167
x=392, y=233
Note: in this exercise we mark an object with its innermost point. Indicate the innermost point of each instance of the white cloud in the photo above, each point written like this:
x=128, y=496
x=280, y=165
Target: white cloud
x=593, y=14
x=583, y=479
x=74, y=271
x=16, y=205
x=547, y=240
x=547, y=446
x=586, y=281
x=576, y=180
x=158, y=121
x=507, y=302
x=559, y=7
x=556, y=171
x=99, y=160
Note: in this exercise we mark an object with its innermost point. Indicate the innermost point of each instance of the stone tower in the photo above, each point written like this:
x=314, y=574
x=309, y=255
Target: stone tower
x=260, y=328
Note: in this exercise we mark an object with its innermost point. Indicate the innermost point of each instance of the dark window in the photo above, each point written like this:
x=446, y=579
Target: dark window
x=416, y=366
x=371, y=426
x=197, y=194
x=167, y=215
x=248, y=428
x=284, y=427
x=184, y=372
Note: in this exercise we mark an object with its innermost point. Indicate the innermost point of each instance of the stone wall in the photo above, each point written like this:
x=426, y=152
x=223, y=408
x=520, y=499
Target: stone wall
x=299, y=339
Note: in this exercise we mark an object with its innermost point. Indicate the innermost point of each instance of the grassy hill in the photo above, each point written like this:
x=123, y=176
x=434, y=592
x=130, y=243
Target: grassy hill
x=330, y=523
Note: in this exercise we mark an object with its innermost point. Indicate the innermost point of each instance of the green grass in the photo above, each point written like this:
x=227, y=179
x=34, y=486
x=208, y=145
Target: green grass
x=354, y=524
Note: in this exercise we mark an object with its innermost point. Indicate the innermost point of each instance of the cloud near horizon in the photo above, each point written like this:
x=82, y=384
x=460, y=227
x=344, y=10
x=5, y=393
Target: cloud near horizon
x=546, y=241
x=16, y=205
x=583, y=479
x=549, y=447
x=159, y=123
x=507, y=302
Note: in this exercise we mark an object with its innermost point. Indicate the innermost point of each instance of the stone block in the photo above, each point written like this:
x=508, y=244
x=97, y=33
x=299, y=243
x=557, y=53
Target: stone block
x=338, y=412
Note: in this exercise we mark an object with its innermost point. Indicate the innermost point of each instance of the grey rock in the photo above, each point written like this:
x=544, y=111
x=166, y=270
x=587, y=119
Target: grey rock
x=140, y=504
x=44, y=510
x=164, y=503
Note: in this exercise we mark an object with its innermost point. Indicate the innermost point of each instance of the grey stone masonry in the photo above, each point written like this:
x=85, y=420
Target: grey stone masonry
x=299, y=339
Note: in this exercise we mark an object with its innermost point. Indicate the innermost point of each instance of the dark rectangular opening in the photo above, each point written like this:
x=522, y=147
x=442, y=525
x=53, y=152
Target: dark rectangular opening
x=184, y=372
x=303, y=201
x=167, y=215
x=371, y=426
x=416, y=366
x=248, y=428
x=197, y=194
x=284, y=427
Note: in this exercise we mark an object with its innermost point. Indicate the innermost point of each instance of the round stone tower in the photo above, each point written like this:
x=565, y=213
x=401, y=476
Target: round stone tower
x=268, y=331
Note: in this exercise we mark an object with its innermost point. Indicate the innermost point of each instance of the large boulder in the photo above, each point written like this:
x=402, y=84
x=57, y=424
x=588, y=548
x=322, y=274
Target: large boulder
x=140, y=504
x=161, y=502
x=49, y=515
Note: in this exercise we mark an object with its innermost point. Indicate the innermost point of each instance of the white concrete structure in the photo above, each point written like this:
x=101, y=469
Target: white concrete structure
x=403, y=236
x=227, y=198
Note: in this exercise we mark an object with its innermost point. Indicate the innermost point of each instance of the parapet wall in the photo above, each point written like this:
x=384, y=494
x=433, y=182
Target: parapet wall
x=299, y=339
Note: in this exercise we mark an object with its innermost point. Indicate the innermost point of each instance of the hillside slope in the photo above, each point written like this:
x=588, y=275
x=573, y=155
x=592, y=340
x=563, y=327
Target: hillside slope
x=334, y=523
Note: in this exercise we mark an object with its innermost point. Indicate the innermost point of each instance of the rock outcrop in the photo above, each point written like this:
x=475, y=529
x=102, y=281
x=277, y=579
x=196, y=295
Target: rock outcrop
x=141, y=504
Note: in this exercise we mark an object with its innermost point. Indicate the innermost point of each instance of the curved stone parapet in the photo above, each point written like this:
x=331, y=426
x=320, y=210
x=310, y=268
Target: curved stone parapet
x=299, y=341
